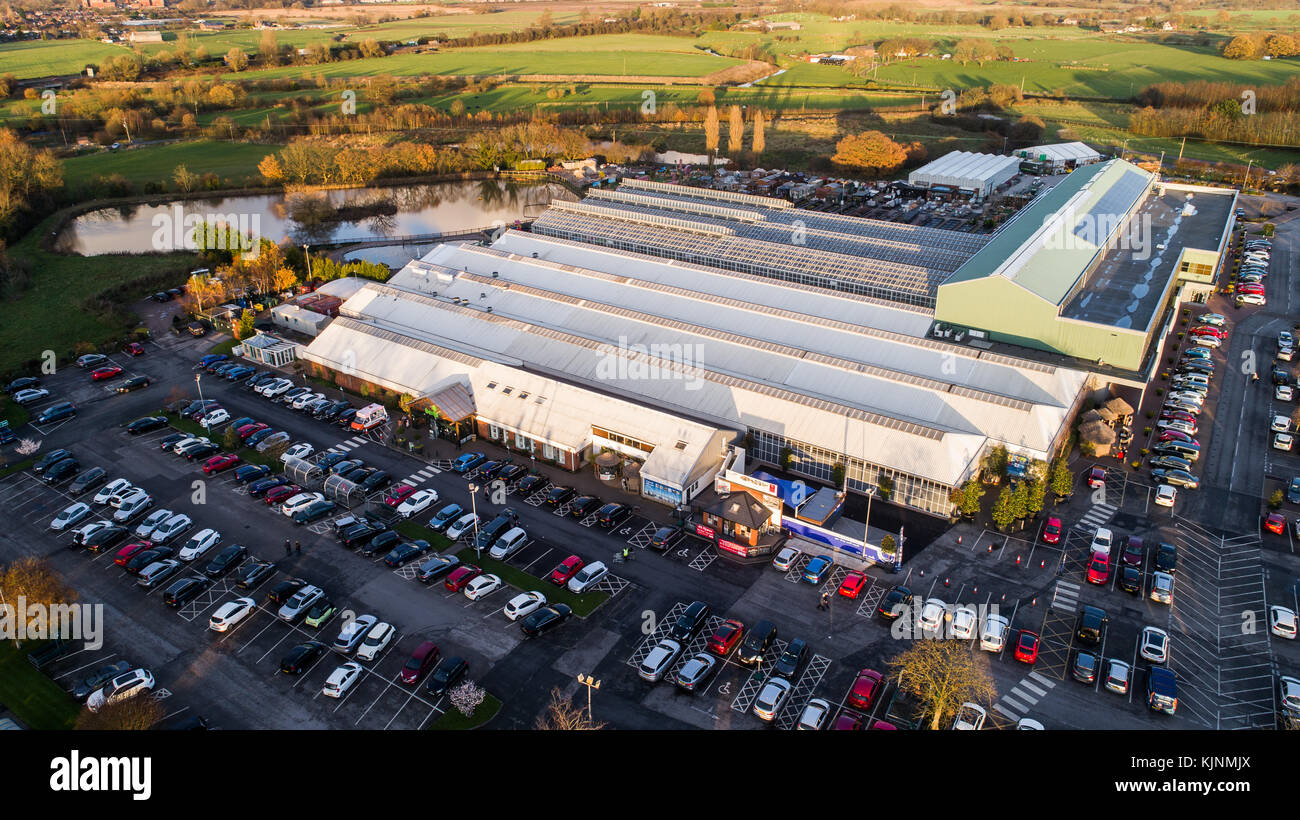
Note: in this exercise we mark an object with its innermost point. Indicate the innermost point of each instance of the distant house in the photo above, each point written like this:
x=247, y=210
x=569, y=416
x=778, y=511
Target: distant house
x=1168, y=26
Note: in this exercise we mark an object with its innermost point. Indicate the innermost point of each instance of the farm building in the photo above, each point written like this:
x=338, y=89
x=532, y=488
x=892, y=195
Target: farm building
x=1061, y=156
x=964, y=171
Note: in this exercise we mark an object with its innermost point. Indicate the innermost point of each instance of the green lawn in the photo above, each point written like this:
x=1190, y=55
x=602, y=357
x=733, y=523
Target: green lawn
x=233, y=161
x=42, y=58
x=453, y=720
x=37, y=701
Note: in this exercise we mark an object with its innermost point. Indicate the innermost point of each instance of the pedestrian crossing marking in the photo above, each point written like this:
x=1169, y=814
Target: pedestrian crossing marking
x=1044, y=681
x=1012, y=715
x=1007, y=699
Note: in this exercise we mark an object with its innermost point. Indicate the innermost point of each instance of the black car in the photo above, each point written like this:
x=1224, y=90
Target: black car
x=57, y=412
x=345, y=418
x=251, y=472
x=664, y=538
x=382, y=543
x=198, y=406
x=609, y=515
x=512, y=473
x=254, y=573
x=1085, y=667
x=436, y=567
x=284, y=590
x=345, y=466
x=259, y=380
x=405, y=552
x=301, y=656
x=328, y=460
x=360, y=474
x=146, y=424
x=377, y=480
x=144, y=558
x=791, y=663
x=359, y=533
x=107, y=538
x=314, y=512
x=445, y=676
x=545, y=619
x=185, y=590
x=62, y=471
x=584, y=505
x=85, y=687
x=202, y=451
x=896, y=601
x=756, y=643
x=1166, y=558
x=169, y=442
x=531, y=484
x=134, y=383
x=1281, y=376
x=558, y=496
x=261, y=485
x=90, y=478
x=489, y=470
x=1092, y=623
x=50, y=459
x=226, y=560
x=1130, y=580
x=25, y=383
x=690, y=622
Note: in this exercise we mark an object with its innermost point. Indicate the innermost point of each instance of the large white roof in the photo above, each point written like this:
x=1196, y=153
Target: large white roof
x=1062, y=151
x=965, y=169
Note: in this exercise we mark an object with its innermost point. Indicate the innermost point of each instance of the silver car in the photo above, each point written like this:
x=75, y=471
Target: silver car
x=353, y=633
x=660, y=660
x=697, y=671
x=301, y=601
x=772, y=698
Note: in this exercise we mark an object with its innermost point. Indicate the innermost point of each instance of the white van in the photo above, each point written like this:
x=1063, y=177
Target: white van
x=509, y=543
x=370, y=417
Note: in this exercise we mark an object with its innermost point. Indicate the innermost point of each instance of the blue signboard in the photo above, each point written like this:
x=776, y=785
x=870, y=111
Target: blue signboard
x=817, y=535
x=662, y=492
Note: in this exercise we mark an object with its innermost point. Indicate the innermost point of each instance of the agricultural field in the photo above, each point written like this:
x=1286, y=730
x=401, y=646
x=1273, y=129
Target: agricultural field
x=41, y=58
x=236, y=162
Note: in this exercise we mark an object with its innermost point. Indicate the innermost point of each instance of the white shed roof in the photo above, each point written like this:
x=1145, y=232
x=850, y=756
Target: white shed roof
x=965, y=169
x=1062, y=152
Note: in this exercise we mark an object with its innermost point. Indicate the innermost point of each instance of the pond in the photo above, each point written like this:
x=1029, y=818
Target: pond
x=351, y=214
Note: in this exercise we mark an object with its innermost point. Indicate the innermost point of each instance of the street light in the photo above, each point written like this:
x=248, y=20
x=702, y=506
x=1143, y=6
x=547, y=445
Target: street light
x=473, y=504
x=307, y=261
x=590, y=683
x=198, y=381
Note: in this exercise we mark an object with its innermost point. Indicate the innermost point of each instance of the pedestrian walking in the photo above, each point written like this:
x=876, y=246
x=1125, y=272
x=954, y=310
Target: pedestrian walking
x=288, y=550
x=825, y=602
x=297, y=547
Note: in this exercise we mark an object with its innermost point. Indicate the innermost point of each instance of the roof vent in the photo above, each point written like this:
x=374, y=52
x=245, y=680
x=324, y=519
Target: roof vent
x=482, y=296
x=489, y=310
x=534, y=254
x=495, y=275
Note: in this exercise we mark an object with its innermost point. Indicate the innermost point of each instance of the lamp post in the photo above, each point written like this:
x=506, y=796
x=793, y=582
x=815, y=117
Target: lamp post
x=473, y=504
x=307, y=260
x=198, y=381
x=589, y=682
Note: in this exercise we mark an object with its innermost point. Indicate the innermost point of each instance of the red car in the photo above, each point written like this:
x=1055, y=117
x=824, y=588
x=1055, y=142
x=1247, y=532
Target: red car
x=133, y=349
x=1206, y=330
x=249, y=429
x=421, y=661
x=1027, y=646
x=461, y=576
x=880, y=724
x=853, y=584
x=728, y=633
x=1275, y=523
x=282, y=493
x=1097, y=478
x=1179, y=415
x=847, y=721
x=1177, y=435
x=99, y=374
x=1249, y=288
x=129, y=551
x=865, y=689
x=567, y=569
x=398, y=494
x=1099, y=568
x=1052, y=532
x=218, y=463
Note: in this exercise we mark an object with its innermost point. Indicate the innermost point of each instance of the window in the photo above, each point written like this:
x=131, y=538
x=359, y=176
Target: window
x=492, y=386
x=505, y=391
x=550, y=452
x=523, y=395
x=494, y=432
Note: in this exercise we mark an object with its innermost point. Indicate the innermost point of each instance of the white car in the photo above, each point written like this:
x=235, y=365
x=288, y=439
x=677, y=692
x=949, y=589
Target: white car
x=1215, y=319
x=814, y=715
x=1251, y=299
x=300, y=450
x=786, y=558
x=376, y=641
x=1281, y=622
x=127, y=497
x=482, y=586
x=461, y=526
x=1188, y=396
x=1118, y=674
x=933, y=615
x=772, y=698
x=126, y=685
x=83, y=532
x=1101, y=541
x=299, y=502
x=1154, y=645
x=130, y=507
x=1166, y=494
x=32, y=394
x=970, y=717
x=112, y=488
x=151, y=522
x=172, y=528
x=306, y=399
x=417, y=502
x=199, y=543
x=587, y=576
x=1283, y=392
x=342, y=679
x=1029, y=724
x=1280, y=424
x=964, y=621
x=231, y=613
x=276, y=388
x=1283, y=441
x=994, y=635
x=1162, y=588
x=523, y=604
x=186, y=442
x=214, y=417
x=72, y=514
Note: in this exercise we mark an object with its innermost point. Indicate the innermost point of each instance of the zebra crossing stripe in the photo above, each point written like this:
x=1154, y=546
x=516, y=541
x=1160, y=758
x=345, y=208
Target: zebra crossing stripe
x=1048, y=682
x=1009, y=714
x=1032, y=688
x=1008, y=700
x=1067, y=585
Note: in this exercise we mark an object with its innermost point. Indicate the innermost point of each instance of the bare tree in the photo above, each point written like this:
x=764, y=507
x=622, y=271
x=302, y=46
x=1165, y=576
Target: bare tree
x=563, y=715
x=942, y=675
x=133, y=714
